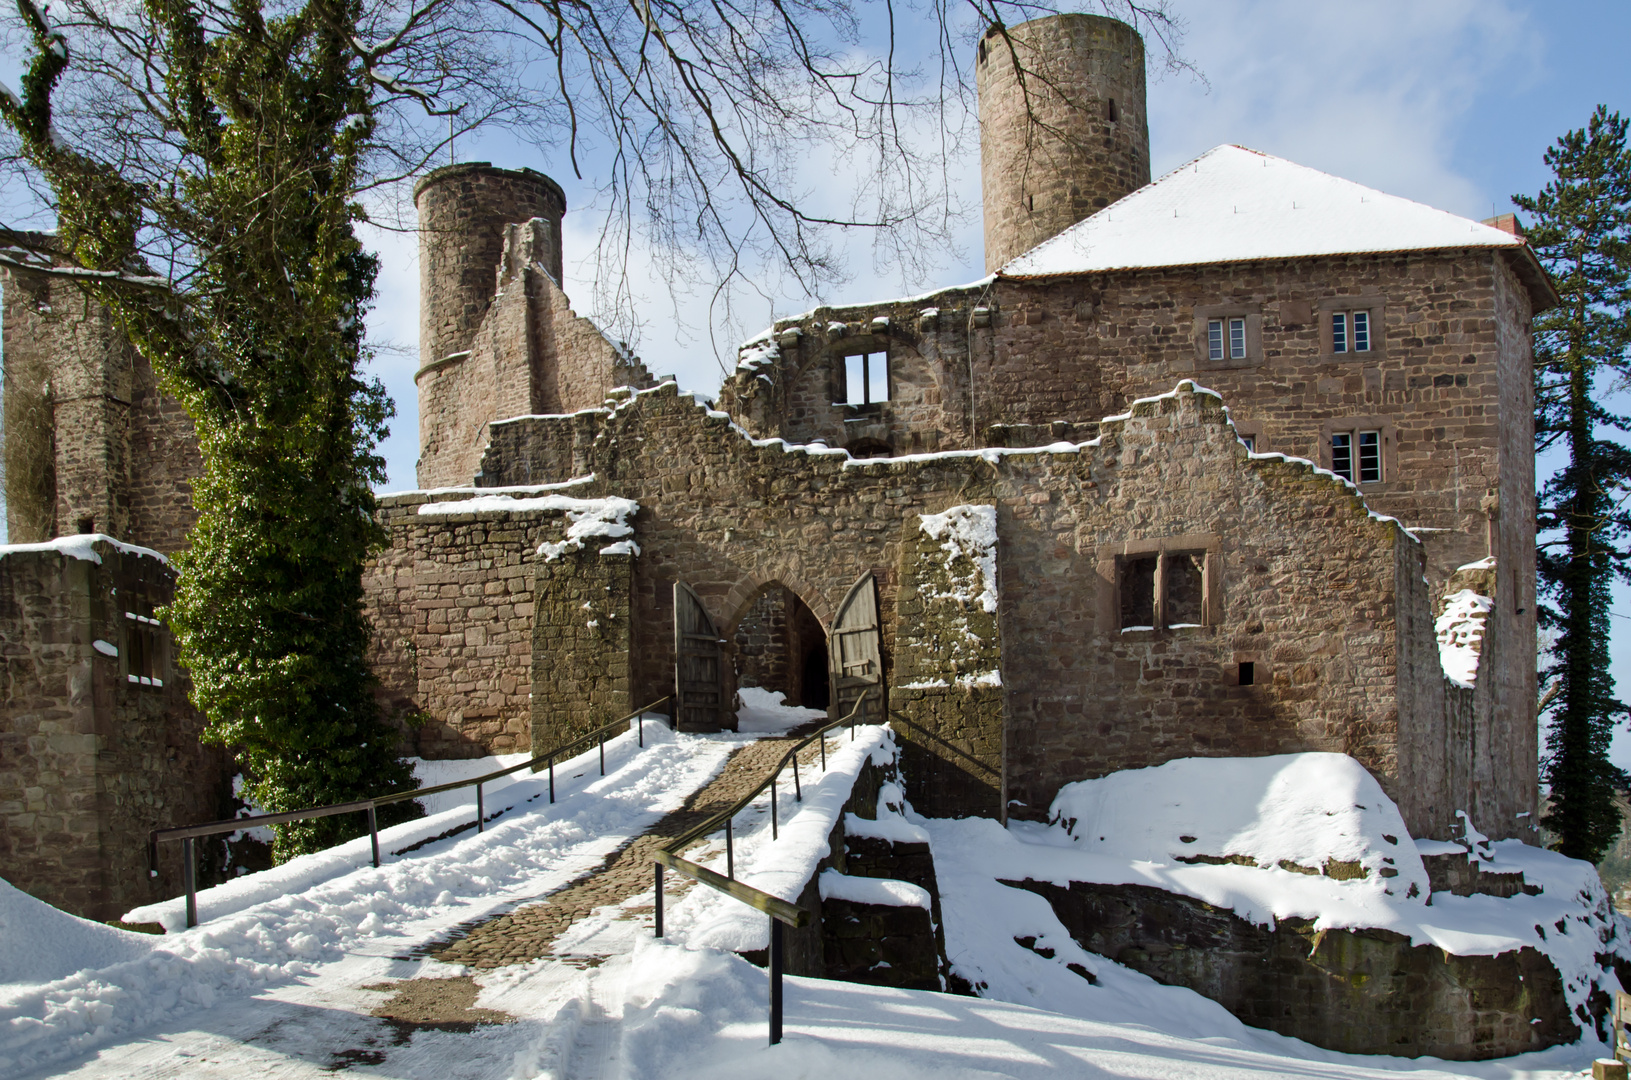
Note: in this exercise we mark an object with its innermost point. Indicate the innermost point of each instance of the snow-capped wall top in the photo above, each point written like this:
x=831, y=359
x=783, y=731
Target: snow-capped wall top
x=1233, y=204
x=82, y=546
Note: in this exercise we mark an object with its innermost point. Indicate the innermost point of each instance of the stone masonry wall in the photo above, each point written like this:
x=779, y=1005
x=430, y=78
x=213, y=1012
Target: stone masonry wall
x=451, y=604
x=580, y=675
x=89, y=760
x=946, y=696
x=1300, y=579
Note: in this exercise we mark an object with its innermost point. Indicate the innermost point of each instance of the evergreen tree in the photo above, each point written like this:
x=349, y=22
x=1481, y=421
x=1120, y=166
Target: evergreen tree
x=260, y=338
x=1582, y=233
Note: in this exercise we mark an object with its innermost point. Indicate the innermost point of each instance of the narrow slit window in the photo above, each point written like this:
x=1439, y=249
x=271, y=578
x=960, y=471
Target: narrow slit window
x=1370, y=457
x=1185, y=592
x=1342, y=462
x=1138, y=593
x=1214, y=339
x=1115, y=114
x=1248, y=673
x=1339, y=332
x=1237, y=339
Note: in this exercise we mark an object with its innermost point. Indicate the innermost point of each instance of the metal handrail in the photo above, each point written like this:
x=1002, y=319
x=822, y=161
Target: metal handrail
x=780, y=911
x=187, y=833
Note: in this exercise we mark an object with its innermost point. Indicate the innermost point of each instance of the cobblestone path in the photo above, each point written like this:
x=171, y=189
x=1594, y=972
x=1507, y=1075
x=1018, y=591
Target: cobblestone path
x=529, y=932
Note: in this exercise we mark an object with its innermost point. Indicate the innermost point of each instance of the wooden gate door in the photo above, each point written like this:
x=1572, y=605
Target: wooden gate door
x=855, y=653
x=698, y=665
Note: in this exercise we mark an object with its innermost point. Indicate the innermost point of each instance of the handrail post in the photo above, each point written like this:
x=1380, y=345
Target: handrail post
x=188, y=882
x=659, y=898
x=773, y=833
x=730, y=852
x=798, y=791
x=481, y=811
x=552, y=778
x=603, y=751
x=373, y=833
x=823, y=751
x=642, y=724
x=775, y=980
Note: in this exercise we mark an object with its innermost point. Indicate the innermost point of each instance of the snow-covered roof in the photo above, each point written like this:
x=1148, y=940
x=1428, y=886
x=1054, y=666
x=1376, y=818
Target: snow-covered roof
x=1232, y=204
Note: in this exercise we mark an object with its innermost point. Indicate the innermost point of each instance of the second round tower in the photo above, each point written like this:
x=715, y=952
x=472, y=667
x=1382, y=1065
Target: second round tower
x=462, y=213
x=1063, y=127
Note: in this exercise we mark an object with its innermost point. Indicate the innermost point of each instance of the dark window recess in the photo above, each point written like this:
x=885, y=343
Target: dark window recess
x=1186, y=597
x=1115, y=113
x=1138, y=593
x=1251, y=443
x=144, y=643
x=1248, y=673
x=87, y=526
x=866, y=378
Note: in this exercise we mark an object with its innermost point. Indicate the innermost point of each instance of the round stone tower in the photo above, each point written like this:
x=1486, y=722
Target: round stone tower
x=1083, y=143
x=462, y=213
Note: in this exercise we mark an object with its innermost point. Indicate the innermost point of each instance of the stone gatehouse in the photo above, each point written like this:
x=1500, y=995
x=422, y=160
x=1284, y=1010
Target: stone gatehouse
x=1191, y=472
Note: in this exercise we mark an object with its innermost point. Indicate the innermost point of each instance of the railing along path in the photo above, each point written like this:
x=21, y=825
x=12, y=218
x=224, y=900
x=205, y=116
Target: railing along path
x=780, y=911
x=188, y=833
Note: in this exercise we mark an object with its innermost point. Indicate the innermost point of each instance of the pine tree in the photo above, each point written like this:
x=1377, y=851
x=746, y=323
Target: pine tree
x=1582, y=233
x=256, y=329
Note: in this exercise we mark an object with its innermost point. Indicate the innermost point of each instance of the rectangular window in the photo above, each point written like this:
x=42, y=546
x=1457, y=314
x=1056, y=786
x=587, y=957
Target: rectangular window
x=1138, y=593
x=1214, y=339
x=866, y=378
x=1248, y=673
x=1185, y=589
x=1350, y=331
x=1251, y=443
x=144, y=658
x=1237, y=339
x=1361, y=321
x=1342, y=461
x=1370, y=457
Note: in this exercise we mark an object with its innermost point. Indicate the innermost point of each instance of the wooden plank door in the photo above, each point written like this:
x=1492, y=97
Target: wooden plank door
x=855, y=652
x=698, y=665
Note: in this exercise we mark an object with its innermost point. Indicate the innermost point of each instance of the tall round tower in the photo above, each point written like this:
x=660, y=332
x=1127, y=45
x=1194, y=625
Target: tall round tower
x=1084, y=141
x=462, y=213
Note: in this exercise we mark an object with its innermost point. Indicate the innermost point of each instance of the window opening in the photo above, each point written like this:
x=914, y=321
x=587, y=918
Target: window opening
x=1356, y=456
x=1248, y=673
x=1115, y=114
x=1342, y=462
x=143, y=658
x=1251, y=443
x=1226, y=333
x=1185, y=589
x=866, y=378
x=1350, y=331
x=1138, y=593
x=1370, y=457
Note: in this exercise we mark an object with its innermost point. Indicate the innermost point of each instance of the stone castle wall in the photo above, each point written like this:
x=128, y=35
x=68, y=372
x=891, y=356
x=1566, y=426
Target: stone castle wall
x=1063, y=127
x=93, y=444
x=89, y=760
x=1301, y=582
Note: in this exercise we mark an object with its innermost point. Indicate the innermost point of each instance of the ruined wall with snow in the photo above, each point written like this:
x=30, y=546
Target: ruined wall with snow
x=947, y=681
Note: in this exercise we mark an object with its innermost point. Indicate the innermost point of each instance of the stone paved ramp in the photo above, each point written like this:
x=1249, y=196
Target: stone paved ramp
x=529, y=933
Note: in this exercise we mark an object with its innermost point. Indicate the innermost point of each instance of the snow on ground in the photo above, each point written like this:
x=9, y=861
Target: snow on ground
x=331, y=918
x=39, y=943
x=766, y=712
x=275, y=985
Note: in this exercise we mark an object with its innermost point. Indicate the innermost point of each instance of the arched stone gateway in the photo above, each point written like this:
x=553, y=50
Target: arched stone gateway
x=780, y=645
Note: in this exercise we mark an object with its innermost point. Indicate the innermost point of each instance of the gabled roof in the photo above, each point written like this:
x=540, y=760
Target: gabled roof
x=1232, y=204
